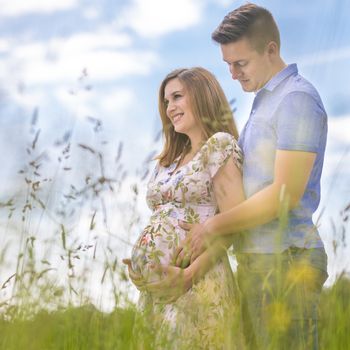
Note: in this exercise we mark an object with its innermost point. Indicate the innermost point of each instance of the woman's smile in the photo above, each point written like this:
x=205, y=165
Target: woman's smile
x=177, y=117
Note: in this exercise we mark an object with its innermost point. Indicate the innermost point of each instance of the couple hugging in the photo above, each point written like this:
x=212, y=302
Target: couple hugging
x=212, y=189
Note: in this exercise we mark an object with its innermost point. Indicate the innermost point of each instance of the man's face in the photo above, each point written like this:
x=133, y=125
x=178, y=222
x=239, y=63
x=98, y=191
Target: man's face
x=251, y=68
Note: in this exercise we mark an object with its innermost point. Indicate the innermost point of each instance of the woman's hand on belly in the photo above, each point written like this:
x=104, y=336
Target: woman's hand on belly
x=175, y=283
x=135, y=277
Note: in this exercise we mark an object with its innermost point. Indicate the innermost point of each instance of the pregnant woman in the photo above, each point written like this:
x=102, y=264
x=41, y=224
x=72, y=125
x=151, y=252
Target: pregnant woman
x=198, y=174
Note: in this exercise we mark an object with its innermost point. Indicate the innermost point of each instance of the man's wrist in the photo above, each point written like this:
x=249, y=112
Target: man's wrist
x=209, y=229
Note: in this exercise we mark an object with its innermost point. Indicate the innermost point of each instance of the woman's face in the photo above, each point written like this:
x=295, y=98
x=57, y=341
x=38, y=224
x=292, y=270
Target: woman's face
x=178, y=108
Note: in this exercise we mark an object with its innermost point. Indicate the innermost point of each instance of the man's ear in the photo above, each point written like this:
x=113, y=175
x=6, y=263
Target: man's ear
x=272, y=48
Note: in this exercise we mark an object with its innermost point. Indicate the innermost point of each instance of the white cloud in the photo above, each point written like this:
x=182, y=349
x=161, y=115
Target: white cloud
x=338, y=129
x=30, y=98
x=106, y=55
x=91, y=103
x=102, y=65
x=102, y=38
x=91, y=13
x=4, y=45
x=80, y=105
x=20, y=7
x=32, y=51
x=337, y=155
x=117, y=101
x=329, y=56
x=154, y=18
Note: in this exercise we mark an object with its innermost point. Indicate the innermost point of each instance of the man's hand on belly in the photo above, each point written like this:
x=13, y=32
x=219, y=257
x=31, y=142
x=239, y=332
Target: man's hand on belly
x=193, y=246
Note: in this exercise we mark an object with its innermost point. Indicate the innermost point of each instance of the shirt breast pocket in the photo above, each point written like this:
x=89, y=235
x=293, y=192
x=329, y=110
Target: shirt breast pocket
x=260, y=142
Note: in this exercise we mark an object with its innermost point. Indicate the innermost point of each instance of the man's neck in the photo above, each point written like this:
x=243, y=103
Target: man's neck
x=278, y=67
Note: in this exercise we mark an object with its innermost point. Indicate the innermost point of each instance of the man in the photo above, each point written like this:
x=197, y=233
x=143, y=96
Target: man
x=281, y=258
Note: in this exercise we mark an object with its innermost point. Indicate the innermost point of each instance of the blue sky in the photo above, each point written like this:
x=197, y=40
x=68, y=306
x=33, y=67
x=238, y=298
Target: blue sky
x=127, y=47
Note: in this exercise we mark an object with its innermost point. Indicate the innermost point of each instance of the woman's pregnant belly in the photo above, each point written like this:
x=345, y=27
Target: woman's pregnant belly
x=156, y=245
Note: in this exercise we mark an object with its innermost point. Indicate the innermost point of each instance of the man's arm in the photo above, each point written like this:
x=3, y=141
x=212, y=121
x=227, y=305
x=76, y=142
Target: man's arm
x=291, y=175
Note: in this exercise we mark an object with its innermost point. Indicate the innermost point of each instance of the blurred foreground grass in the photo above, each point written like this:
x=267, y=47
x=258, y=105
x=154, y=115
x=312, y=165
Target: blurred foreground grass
x=62, y=244
x=87, y=328
x=73, y=328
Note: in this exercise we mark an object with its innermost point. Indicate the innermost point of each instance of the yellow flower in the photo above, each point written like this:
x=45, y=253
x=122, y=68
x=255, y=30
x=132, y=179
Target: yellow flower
x=278, y=317
x=301, y=274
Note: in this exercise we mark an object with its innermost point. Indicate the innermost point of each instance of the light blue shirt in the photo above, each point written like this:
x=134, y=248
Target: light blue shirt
x=287, y=114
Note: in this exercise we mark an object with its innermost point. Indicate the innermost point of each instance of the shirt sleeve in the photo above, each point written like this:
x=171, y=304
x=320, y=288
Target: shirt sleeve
x=301, y=122
x=217, y=151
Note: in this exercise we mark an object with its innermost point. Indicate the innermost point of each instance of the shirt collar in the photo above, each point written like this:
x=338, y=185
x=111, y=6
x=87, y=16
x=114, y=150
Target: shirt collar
x=291, y=69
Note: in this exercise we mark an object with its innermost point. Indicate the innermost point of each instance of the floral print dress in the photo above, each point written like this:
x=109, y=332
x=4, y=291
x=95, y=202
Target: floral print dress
x=199, y=317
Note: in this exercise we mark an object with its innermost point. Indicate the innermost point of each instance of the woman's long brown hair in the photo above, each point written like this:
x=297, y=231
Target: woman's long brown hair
x=209, y=106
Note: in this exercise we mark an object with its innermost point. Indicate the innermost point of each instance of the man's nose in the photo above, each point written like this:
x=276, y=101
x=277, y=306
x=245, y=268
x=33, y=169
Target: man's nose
x=235, y=72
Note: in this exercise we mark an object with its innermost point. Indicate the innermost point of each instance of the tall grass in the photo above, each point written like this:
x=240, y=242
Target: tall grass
x=63, y=243
x=60, y=249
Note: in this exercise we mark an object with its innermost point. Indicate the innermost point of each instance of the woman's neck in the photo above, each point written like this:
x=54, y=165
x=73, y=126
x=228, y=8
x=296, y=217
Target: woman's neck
x=196, y=142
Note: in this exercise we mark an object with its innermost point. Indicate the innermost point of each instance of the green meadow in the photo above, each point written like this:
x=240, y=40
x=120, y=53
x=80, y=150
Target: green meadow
x=60, y=258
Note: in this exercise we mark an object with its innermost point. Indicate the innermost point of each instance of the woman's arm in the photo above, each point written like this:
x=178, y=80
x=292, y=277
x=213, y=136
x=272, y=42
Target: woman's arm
x=228, y=190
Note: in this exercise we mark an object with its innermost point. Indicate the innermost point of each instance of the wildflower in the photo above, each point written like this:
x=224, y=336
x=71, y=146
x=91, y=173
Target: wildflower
x=301, y=274
x=278, y=316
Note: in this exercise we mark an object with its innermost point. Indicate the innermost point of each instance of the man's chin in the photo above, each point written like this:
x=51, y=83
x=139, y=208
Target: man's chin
x=246, y=88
